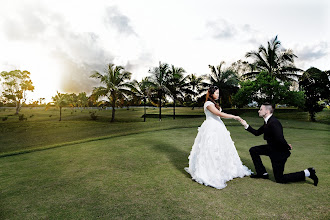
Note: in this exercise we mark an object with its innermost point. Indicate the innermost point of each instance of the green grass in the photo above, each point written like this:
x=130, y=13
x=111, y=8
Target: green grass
x=42, y=131
x=131, y=169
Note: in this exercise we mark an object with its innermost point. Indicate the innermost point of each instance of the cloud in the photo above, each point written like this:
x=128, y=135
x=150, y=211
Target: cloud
x=26, y=24
x=312, y=52
x=78, y=56
x=221, y=29
x=53, y=36
x=120, y=22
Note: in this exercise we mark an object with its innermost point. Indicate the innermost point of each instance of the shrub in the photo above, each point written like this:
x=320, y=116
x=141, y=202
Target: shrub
x=93, y=116
x=22, y=117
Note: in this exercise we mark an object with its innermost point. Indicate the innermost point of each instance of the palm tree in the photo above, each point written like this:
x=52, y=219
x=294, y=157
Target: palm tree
x=227, y=82
x=141, y=91
x=82, y=99
x=115, y=85
x=195, y=86
x=60, y=100
x=72, y=100
x=159, y=79
x=176, y=84
x=278, y=62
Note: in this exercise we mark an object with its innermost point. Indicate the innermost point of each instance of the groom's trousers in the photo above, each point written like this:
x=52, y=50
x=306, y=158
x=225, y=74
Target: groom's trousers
x=278, y=160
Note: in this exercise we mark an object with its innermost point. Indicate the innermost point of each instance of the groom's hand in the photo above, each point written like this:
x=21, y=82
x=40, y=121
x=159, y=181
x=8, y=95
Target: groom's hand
x=244, y=123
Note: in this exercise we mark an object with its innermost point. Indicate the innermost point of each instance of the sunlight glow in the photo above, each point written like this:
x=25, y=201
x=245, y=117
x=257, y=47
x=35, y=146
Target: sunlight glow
x=44, y=70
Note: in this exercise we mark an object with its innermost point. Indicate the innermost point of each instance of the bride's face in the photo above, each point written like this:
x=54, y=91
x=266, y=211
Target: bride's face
x=216, y=95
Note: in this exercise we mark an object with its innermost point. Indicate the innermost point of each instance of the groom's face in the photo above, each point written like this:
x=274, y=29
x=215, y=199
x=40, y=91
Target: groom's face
x=263, y=111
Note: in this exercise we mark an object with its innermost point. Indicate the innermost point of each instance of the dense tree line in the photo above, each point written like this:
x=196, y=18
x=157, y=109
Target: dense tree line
x=271, y=76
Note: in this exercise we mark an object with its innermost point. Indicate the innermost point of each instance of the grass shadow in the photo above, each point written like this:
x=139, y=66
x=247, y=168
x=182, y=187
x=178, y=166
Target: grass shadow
x=177, y=157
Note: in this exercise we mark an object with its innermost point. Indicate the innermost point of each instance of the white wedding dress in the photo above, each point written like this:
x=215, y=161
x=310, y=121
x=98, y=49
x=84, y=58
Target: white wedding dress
x=213, y=159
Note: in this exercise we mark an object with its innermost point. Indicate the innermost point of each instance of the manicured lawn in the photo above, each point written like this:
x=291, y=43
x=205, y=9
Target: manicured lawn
x=40, y=130
x=131, y=169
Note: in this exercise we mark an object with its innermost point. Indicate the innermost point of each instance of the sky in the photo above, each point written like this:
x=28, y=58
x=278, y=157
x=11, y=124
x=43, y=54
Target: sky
x=61, y=43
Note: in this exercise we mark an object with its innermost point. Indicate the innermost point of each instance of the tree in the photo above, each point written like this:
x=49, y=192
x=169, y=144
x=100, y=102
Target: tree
x=227, y=82
x=195, y=85
x=41, y=100
x=82, y=99
x=266, y=88
x=16, y=84
x=60, y=100
x=241, y=67
x=159, y=78
x=316, y=86
x=141, y=91
x=116, y=85
x=72, y=100
x=277, y=62
x=176, y=84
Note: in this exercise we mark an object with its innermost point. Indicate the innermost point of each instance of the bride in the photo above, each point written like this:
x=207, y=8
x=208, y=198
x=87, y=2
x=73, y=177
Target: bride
x=213, y=159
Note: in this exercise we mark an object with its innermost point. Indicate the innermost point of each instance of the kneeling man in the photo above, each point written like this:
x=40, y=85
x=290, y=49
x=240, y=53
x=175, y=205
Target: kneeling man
x=276, y=148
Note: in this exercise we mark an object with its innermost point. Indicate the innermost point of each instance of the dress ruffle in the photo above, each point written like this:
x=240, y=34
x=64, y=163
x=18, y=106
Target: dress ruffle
x=213, y=159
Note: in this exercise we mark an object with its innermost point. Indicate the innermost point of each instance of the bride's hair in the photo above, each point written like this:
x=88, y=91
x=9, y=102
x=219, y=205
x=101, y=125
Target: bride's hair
x=209, y=96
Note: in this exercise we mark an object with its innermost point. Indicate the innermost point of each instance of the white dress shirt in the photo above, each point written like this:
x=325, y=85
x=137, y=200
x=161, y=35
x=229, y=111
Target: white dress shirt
x=267, y=118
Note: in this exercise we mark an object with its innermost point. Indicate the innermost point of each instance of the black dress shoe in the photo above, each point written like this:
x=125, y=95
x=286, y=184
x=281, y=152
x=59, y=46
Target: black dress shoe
x=313, y=175
x=260, y=176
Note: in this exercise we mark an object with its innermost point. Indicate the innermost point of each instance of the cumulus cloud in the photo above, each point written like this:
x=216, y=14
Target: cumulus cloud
x=76, y=53
x=222, y=29
x=78, y=56
x=115, y=19
x=312, y=52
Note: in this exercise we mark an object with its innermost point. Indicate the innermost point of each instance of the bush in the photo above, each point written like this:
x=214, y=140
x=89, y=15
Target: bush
x=93, y=115
x=22, y=117
x=4, y=118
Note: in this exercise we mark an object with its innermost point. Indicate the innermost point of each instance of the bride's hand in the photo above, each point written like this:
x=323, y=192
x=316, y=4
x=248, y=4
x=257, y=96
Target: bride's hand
x=238, y=118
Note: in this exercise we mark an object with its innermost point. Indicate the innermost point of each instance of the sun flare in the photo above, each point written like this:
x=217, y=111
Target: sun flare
x=46, y=80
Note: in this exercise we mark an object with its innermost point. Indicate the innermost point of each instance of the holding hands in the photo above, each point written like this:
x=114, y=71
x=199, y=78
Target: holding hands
x=241, y=120
x=244, y=123
x=237, y=118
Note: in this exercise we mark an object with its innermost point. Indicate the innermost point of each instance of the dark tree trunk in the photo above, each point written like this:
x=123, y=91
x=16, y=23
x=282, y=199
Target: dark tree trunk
x=60, y=113
x=312, y=116
x=145, y=110
x=174, y=109
x=113, y=114
x=160, y=107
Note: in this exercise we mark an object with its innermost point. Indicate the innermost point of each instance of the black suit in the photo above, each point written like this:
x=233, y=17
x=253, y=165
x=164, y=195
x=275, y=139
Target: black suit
x=276, y=148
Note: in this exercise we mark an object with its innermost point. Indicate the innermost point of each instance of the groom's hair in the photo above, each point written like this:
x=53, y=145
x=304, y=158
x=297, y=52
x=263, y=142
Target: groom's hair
x=269, y=107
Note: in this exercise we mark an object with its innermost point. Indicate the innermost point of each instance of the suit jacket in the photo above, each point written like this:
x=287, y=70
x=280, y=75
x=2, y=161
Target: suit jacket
x=273, y=134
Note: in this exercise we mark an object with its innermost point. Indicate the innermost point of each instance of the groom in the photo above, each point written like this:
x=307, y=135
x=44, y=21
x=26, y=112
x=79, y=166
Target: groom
x=276, y=148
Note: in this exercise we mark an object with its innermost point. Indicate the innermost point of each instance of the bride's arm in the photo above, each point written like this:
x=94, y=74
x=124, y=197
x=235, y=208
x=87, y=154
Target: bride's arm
x=215, y=111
